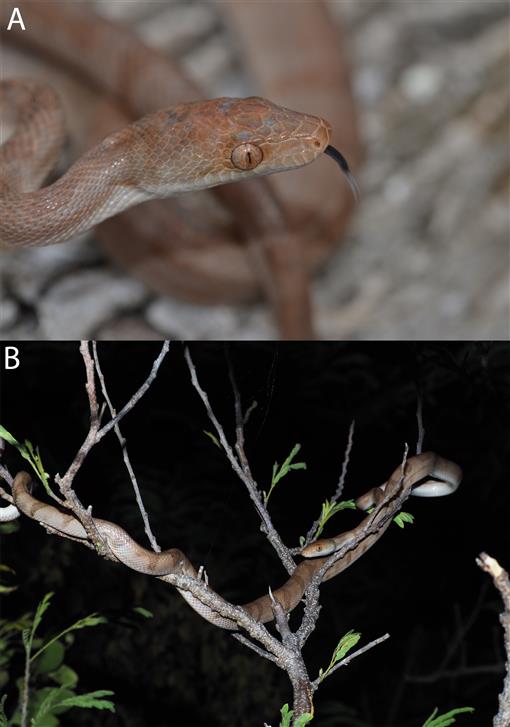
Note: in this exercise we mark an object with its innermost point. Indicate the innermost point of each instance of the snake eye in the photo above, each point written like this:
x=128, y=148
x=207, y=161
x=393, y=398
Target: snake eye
x=246, y=156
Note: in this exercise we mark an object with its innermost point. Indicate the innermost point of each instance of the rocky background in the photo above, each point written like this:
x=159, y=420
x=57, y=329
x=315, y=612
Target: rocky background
x=427, y=254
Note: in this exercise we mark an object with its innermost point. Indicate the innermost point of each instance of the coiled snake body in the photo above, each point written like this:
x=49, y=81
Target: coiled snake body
x=426, y=475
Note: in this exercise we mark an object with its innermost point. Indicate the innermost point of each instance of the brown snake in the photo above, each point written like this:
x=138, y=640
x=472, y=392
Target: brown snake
x=231, y=244
x=426, y=475
x=187, y=147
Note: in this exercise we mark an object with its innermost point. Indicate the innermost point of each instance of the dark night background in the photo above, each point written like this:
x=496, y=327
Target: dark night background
x=421, y=584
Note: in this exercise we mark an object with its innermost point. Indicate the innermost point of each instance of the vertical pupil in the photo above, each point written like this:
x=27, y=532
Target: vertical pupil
x=248, y=157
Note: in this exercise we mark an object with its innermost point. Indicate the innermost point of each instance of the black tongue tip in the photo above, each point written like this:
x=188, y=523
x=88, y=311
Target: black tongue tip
x=342, y=163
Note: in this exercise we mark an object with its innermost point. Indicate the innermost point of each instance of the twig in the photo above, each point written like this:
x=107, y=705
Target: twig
x=346, y=660
x=138, y=394
x=125, y=455
x=257, y=649
x=6, y=475
x=455, y=673
x=25, y=691
x=94, y=435
x=419, y=418
x=244, y=475
x=502, y=583
x=345, y=464
x=340, y=487
x=240, y=421
x=66, y=481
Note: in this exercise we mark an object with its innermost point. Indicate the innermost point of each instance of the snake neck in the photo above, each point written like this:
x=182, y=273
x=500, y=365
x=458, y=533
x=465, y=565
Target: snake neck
x=101, y=183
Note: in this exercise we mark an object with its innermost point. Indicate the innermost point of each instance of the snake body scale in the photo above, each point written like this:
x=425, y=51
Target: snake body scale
x=425, y=475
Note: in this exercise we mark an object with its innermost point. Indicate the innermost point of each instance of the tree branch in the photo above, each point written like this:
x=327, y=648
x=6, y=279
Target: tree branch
x=244, y=474
x=502, y=583
x=125, y=455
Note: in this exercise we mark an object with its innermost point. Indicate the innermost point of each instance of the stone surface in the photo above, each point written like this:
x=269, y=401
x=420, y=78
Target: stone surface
x=177, y=319
x=79, y=303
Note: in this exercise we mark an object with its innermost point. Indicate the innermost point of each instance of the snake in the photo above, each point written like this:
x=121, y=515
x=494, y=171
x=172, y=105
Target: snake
x=261, y=236
x=424, y=475
x=187, y=147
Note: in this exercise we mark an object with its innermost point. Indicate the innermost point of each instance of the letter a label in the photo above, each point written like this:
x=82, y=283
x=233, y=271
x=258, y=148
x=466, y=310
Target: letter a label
x=16, y=19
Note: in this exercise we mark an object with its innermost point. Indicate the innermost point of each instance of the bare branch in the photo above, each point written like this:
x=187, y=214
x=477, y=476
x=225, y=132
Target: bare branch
x=257, y=649
x=345, y=464
x=244, y=475
x=4, y=473
x=502, y=583
x=66, y=481
x=7, y=477
x=138, y=394
x=94, y=435
x=340, y=487
x=125, y=455
x=239, y=421
x=421, y=430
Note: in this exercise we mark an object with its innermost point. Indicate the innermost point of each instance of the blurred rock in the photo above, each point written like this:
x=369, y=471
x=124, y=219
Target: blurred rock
x=79, y=303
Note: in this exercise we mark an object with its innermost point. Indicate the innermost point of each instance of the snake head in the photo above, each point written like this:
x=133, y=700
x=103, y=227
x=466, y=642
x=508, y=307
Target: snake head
x=207, y=143
x=267, y=138
x=322, y=547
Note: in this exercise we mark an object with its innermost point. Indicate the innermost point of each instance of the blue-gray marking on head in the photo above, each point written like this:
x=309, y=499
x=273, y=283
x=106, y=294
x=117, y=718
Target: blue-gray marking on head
x=226, y=104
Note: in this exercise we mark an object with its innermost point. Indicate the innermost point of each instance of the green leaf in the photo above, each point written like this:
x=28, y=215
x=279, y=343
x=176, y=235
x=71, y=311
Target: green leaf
x=304, y=719
x=213, y=438
x=91, y=700
x=32, y=456
x=8, y=437
x=402, y=518
x=286, y=714
x=345, y=644
x=143, y=612
x=44, y=705
x=279, y=472
x=65, y=677
x=328, y=510
x=445, y=719
x=27, y=635
x=51, y=659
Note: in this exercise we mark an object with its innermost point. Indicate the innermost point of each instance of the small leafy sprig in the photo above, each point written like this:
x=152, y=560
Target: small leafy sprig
x=47, y=702
x=402, y=518
x=287, y=715
x=284, y=469
x=346, y=643
x=329, y=508
x=29, y=453
x=443, y=720
x=93, y=619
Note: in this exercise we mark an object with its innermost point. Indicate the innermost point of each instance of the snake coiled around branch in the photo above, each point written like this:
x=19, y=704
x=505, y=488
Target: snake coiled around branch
x=425, y=475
